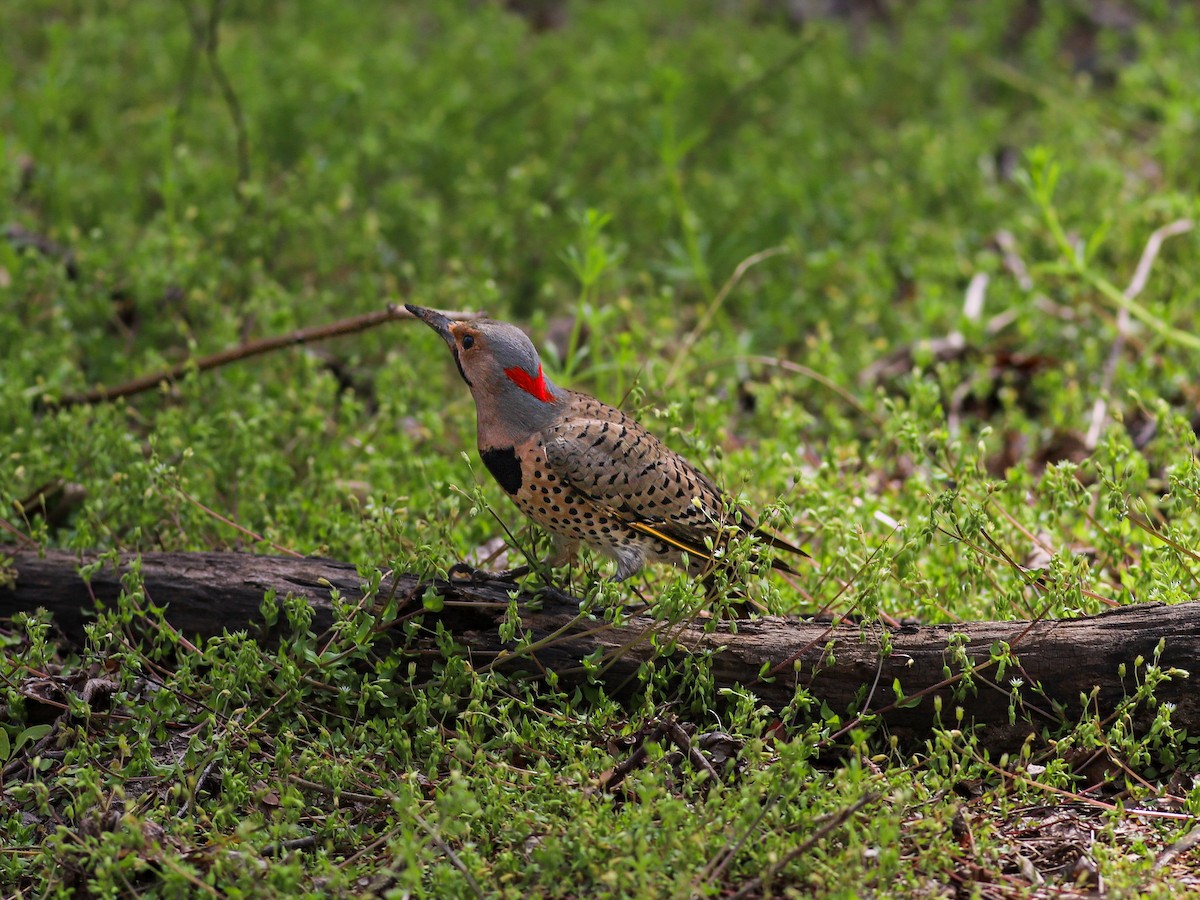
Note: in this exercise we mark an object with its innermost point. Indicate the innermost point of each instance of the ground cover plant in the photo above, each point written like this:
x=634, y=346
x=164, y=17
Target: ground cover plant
x=918, y=283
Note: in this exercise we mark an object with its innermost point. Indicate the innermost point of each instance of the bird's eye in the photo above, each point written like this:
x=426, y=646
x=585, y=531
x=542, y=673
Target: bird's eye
x=467, y=342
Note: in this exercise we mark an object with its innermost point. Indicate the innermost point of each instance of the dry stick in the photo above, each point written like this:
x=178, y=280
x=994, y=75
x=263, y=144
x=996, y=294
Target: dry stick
x=225, y=86
x=1017, y=268
x=716, y=866
x=1083, y=798
x=380, y=841
x=19, y=535
x=250, y=349
x=1183, y=845
x=376, y=799
x=205, y=39
x=824, y=380
x=635, y=759
x=287, y=551
x=1012, y=259
x=972, y=311
x=187, y=73
x=698, y=759
x=732, y=111
x=1155, y=533
x=753, y=887
x=212, y=763
x=439, y=842
x=1108, y=750
x=1034, y=574
x=694, y=335
x=1140, y=276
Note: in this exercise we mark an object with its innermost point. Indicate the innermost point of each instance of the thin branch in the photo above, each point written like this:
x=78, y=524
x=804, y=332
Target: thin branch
x=1124, y=319
x=1142, y=273
x=245, y=351
x=1083, y=798
x=975, y=296
x=698, y=759
x=688, y=342
x=183, y=810
x=282, y=847
x=824, y=380
x=232, y=524
x=733, y=110
x=1183, y=845
x=635, y=759
x=187, y=74
x=378, y=799
x=1164, y=329
x=25, y=539
x=754, y=886
x=439, y=842
x=1012, y=259
x=211, y=45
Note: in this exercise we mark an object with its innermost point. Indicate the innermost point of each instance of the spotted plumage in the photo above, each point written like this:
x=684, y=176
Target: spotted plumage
x=585, y=471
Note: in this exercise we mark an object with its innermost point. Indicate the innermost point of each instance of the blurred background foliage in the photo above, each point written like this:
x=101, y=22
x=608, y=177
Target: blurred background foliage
x=662, y=193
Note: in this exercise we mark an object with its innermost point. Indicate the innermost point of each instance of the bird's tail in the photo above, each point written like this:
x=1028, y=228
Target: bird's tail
x=684, y=540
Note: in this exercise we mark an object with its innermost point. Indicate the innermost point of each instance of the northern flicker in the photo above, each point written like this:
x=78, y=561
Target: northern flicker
x=584, y=471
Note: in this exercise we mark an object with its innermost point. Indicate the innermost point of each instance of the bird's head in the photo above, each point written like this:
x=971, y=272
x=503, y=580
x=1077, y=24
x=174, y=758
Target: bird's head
x=501, y=367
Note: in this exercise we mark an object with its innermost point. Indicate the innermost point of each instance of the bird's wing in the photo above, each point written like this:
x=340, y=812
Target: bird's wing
x=614, y=462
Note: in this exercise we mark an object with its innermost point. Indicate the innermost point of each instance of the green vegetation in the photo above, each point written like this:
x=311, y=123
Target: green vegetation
x=760, y=237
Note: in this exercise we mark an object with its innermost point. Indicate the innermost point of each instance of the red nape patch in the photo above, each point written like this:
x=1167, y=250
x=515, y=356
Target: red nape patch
x=535, y=386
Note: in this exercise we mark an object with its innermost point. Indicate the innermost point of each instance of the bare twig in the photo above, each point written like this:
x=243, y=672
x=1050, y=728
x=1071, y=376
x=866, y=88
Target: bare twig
x=439, y=842
x=183, y=810
x=246, y=351
x=684, y=743
x=19, y=535
x=187, y=75
x=1142, y=273
x=1019, y=271
x=824, y=380
x=1083, y=798
x=733, y=110
x=205, y=32
x=688, y=342
x=341, y=794
x=1124, y=319
x=635, y=759
x=716, y=866
x=754, y=886
x=282, y=847
x=232, y=524
x=1012, y=259
x=1183, y=845
x=22, y=238
x=976, y=294
x=972, y=310
x=211, y=45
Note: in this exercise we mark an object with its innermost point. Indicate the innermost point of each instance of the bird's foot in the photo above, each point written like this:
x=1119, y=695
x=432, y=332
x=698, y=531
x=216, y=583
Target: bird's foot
x=463, y=572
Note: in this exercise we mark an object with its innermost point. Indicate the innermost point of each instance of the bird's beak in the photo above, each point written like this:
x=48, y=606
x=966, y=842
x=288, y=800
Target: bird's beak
x=434, y=320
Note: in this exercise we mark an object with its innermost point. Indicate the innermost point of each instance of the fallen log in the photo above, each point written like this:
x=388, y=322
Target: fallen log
x=900, y=675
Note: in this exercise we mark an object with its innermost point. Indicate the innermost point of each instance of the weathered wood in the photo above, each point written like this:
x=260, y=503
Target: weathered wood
x=208, y=593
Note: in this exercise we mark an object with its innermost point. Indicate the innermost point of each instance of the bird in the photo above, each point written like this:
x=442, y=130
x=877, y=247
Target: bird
x=584, y=471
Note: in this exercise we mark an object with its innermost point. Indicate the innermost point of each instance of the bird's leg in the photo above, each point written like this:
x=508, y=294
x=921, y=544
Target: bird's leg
x=562, y=551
